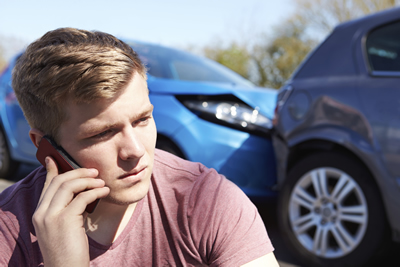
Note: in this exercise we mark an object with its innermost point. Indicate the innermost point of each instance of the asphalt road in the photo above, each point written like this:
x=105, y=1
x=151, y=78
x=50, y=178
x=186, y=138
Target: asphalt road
x=268, y=213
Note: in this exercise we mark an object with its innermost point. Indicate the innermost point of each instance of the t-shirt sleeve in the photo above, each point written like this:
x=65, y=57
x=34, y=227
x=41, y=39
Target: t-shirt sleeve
x=225, y=224
x=10, y=251
x=7, y=242
x=18, y=245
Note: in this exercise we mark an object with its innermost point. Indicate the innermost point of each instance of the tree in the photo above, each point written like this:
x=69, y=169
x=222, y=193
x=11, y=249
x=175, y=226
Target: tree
x=276, y=60
x=271, y=60
x=323, y=15
x=235, y=56
x=2, y=60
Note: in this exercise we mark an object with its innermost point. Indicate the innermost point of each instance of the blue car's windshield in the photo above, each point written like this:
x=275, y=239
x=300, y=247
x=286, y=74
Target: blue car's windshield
x=173, y=64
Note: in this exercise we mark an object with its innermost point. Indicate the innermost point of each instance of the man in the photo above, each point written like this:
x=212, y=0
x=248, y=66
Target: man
x=88, y=91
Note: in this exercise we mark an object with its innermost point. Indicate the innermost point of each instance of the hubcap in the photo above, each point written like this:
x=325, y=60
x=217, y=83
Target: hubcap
x=328, y=212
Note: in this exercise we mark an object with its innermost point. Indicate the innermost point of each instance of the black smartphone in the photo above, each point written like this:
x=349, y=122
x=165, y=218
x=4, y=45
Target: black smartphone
x=48, y=147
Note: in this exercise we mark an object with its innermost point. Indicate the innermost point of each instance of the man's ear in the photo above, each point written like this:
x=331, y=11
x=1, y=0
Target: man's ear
x=36, y=136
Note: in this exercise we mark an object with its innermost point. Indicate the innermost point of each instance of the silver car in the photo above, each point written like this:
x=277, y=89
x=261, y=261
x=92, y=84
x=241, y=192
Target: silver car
x=337, y=145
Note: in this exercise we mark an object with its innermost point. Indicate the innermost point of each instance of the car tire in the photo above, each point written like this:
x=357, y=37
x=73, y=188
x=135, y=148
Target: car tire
x=8, y=166
x=167, y=145
x=330, y=212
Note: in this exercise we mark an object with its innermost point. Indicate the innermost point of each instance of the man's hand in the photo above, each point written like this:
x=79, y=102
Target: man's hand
x=59, y=216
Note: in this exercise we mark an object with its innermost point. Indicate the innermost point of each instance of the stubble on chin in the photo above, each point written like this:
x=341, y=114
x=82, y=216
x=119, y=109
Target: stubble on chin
x=129, y=196
x=121, y=202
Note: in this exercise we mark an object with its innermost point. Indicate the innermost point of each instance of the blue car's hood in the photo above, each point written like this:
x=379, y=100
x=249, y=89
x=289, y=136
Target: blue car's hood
x=263, y=98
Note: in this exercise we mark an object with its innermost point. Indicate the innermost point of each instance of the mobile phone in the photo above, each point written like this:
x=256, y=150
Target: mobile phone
x=48, y=147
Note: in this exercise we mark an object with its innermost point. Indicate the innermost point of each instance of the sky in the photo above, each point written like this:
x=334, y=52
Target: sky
x=176, y=23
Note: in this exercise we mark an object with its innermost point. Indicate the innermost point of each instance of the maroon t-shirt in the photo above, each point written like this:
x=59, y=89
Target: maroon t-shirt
x=192, y=216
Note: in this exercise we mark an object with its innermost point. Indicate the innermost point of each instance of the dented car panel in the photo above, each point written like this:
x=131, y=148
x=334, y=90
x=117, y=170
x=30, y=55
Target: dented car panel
x=342, y=102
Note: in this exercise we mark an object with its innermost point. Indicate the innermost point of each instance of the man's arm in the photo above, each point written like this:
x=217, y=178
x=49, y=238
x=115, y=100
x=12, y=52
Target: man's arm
x=7, y=241
x=266, y=260
x=227, y=224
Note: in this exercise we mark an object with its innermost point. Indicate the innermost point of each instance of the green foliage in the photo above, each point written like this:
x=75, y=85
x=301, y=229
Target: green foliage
x=324, y=15
x=276, y=60
x=271, y=61
x=235, y=57
x=2, y=60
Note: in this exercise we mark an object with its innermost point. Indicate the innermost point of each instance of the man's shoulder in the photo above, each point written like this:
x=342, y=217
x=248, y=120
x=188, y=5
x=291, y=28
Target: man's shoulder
x=171, y=173
x=24, y=191
x=17, y=204
x=193, y=177
x=168, y=163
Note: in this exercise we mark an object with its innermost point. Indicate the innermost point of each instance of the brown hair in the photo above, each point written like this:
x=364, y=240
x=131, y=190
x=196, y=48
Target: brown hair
x=70, y=65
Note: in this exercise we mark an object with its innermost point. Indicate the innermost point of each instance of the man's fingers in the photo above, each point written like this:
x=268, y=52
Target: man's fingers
x=79, y=203
x=51, y=168
x=52, y=171
x=55, y=180
x=73, y=189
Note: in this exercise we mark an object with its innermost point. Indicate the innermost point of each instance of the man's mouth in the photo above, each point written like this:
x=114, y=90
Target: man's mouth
x=136, y=173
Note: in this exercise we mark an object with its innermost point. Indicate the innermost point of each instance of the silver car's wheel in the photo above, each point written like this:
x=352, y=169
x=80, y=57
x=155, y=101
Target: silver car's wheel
x=328, y=212
x=331, y=212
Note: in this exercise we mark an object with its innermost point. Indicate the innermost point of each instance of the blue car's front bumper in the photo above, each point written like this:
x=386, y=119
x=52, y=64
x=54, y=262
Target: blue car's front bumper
x=245, y=159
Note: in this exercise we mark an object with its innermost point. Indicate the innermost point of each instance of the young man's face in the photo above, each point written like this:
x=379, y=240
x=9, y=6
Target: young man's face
x=117, y=137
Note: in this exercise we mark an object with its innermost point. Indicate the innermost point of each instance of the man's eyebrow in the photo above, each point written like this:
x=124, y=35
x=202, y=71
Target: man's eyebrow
x=94, y=129
x=145, y=112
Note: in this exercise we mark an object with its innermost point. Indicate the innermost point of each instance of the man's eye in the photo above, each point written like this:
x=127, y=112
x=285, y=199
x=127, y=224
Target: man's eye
x=102, y=134
x=142, y=121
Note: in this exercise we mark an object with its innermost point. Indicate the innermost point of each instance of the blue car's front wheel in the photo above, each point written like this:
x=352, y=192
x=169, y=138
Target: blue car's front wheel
x=8, y=166
x=165, y=144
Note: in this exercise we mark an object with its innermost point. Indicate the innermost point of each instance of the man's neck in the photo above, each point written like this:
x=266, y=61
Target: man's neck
x=108, y=221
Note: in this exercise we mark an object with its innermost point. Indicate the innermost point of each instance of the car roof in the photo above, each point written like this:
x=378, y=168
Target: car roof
x=335, y=55
x=373, y=20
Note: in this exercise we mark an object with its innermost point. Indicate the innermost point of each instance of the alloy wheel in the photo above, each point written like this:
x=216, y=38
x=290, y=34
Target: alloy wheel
x=328, y=212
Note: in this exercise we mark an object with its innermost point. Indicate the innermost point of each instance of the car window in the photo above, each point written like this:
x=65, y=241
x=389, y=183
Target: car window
x=383, y=48
x=163, y=62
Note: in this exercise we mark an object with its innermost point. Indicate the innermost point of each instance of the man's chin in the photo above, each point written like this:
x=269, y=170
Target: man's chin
x=122, y=201
x=129, y=196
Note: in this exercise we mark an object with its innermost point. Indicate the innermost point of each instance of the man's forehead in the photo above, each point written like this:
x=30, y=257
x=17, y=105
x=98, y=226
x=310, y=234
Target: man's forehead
x=137, y=86
x=132, y=100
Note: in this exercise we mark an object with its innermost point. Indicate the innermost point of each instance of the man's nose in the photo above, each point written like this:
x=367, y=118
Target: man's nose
x=131, y=146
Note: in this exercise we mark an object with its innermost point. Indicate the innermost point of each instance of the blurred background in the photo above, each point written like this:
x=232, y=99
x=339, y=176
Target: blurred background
x=262, y=40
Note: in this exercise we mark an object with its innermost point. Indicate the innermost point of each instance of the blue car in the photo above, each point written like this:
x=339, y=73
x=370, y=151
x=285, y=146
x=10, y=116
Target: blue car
x=204, y=112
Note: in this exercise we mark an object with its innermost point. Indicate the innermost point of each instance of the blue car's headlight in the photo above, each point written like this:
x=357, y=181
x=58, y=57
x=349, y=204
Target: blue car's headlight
x=231, y=112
